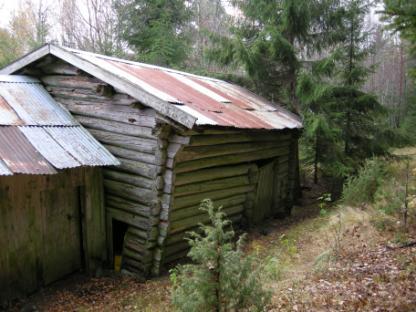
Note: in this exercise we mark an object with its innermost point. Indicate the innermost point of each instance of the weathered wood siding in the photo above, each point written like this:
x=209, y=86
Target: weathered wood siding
x=138, y=137
x=226, y=166
x=165, y=171
x=44, y=221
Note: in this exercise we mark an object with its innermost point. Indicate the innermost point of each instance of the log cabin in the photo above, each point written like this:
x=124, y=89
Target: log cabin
x=52, y=217
x=180, y=138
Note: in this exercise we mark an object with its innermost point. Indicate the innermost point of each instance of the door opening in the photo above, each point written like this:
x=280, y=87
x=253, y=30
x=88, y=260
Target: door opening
x=119, y=232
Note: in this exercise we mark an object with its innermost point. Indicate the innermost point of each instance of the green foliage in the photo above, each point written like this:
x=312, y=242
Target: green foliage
x=222, y=277
x=362, y=188
x=267, y=41
x=155, y=29
x=402, y=17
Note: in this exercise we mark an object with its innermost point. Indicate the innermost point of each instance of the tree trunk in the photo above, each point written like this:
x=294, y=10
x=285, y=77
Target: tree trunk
x=315, y=177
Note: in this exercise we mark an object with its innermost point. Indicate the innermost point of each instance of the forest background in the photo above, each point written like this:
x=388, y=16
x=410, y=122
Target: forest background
x=345, y=66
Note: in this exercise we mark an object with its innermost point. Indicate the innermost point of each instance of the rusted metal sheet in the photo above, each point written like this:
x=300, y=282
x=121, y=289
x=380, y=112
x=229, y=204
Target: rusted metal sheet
x=211, y=101
x=7, y=114
x=19, y=155
x=34, y=106
x=38, y=135
x=82, y=146
x=49, y=148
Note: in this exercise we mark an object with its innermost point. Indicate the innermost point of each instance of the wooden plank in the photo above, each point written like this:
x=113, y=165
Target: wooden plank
x=125, y=141
x=185, y=224
x=116, y=127
x=142, y=169
x=200, y=140
x=230, y=159
x=94, y=111
x=210, y=174
x=78, y=82
x=156, y=158
x=193, y=200
x=130, y=219
x=132, y=179
x=128, y=191
x=212, y=185
x=145, y=210
x=206, y=151
x=195, y=211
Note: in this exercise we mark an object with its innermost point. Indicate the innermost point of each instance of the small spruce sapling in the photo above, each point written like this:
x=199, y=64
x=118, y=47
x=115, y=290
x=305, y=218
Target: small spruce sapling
x=222, y=277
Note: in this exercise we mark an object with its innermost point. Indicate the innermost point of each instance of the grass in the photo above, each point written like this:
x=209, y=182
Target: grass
x=306, y=251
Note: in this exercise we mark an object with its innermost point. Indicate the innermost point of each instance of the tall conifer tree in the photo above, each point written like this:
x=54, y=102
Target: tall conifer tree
x=155, y=29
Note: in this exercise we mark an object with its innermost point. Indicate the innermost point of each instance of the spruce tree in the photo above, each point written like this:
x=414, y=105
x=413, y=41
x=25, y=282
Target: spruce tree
x=273, y=37
x=155, y=29
x=221, y=277
x=401, y=14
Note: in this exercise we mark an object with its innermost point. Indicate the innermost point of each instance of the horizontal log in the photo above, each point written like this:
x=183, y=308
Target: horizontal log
x=125, y=141
x=199, y=152
x=212, y=185
x=185, y=224
x=136, y=118
x=131, y=179
x=133, y=254
x=195, y=210
x=116, y=127
x=210, y=174
x=131, y=219
x=156, y=158
x=133, y=207
x=139, y=168
x=230, y=159
x=200, y=140
x=80, y=96
x=128, y=191
x=193, y=200
x=61, y=69
x=78, y=82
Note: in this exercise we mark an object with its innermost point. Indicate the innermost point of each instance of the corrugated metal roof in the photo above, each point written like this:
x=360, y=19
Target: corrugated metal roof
x=211, y=101
x=38, y=135
x=82, y=146
x=19, y=155
x=34, y=106
x=7, y=114
x=49, y=148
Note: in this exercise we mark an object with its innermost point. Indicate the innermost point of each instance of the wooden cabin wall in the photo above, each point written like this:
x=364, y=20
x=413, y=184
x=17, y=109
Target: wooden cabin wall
x=225, y=166
x=137, y=136
x=43, y=222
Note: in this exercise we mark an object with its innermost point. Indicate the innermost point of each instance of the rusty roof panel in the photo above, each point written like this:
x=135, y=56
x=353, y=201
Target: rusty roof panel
x=49, y=148
x=19, y=155
x=37, y=134
x=82, y=146
x=211, y=101
x=7, y=115
x=34, y=106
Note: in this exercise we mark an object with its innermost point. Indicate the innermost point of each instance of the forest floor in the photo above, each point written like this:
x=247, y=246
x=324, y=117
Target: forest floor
x=323, y=258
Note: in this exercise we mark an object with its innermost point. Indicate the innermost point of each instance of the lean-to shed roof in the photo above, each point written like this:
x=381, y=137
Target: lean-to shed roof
x=186, y=98
x=38, y=135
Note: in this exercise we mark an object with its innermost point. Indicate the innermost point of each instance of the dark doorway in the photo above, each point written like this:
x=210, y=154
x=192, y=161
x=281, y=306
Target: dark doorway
x=119, y=231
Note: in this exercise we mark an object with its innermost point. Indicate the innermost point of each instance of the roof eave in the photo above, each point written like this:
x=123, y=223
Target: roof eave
x=116, y=81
